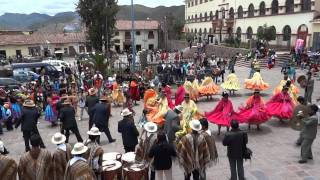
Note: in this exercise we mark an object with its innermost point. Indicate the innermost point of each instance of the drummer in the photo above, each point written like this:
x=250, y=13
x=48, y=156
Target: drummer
x=95, y=152
x=149, y=137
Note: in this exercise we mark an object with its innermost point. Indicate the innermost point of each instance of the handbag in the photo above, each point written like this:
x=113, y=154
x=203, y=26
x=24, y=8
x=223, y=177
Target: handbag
x=247, y=152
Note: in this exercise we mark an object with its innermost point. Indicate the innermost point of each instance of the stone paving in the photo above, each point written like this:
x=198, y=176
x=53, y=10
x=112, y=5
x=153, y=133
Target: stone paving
x=275, y=154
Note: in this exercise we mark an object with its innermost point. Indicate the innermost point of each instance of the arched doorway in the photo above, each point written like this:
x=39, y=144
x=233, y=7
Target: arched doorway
x=287, y=35
x=303, y=33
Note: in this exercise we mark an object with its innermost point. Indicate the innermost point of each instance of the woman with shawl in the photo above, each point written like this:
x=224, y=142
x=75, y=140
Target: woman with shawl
x=256, y=82
x=281, y=105
x=293, y=90
x=254, y=112
x=50, y=116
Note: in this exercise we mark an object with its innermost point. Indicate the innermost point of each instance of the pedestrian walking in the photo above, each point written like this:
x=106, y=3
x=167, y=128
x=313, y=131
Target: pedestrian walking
x=236, y=141
x=91, y=101
x=128, y=131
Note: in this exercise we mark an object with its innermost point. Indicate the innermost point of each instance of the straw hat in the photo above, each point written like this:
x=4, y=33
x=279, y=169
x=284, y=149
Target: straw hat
x=92, y=91
x=94, y=131
x=195, y=125
x=66, y=102
x=29, y=103
x=58, y=138
x=150, y=127
x=126, y=112
x=79, y=148
x=179, y=108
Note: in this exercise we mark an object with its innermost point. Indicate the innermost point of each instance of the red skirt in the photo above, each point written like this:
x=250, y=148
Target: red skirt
x=282, y=110
x=253, y=115
x=134, y=93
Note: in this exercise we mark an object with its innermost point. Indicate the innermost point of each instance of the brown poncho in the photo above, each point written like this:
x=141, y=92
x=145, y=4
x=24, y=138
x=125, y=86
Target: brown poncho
x=8, y=168
x=60, y=159
x=212, y=146
x=35, y=165
x=94, y=151
x=80, y=170
x=193, y=153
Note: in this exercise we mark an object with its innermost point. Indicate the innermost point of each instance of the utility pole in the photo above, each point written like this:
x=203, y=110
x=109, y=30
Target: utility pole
x=133, y=44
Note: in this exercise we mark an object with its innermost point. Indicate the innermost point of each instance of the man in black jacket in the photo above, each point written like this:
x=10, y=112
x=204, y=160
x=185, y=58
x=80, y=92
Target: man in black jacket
x=128, y=131
x=68, y=120
x=91, y=101
x=101, y=113
x=236, y=141
x=28, y=121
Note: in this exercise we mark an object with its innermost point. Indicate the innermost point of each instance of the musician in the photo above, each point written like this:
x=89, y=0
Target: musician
x=61, y=156
x=309, y=88
x=8, y=168
x=309, y=134
x=95, y=152
x=301, y=107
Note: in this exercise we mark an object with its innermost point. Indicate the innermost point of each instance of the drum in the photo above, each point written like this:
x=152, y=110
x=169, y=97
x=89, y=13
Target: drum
x=128, y=158
x=112, y=156
x=111, y=170
x=135, y=171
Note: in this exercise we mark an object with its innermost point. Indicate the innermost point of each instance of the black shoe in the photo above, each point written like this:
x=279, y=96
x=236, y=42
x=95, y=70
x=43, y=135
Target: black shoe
x=302, y=161
x=112, y=140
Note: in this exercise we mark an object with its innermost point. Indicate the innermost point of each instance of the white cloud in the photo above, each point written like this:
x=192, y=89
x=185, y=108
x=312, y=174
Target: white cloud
x=52, y=7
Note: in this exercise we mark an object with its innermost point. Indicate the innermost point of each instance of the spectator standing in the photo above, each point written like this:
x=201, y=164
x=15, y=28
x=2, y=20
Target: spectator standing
x=128, y=131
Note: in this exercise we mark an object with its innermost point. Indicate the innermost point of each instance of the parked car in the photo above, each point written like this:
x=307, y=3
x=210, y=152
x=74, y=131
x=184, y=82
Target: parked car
x=9, y=84
x=57, y=63
x=25, y=76
x=50, y=70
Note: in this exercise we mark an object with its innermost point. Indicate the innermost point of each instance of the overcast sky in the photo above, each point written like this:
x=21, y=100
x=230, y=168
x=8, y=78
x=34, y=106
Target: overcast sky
x=52, y=7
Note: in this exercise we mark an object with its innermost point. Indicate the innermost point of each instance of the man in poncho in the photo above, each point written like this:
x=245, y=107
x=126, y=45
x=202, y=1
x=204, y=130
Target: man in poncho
x=8, y=168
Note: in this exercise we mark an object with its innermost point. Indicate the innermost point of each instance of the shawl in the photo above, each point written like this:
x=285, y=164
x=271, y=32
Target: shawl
x=251, y=101
x=211, y=145
x=280, y=97
x=60, y=159
x=225, y=107
x=179, y=96
x=193, y=153
x=149, y=94
x=35, y=169
x=94, y=151
x=80, y=170
x=8, y=168
x=144, y=146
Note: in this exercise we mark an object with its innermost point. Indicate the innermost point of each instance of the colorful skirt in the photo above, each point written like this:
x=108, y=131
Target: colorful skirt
x=49, y=114
x=282, y=110
x=253, y=115
x=16, y=111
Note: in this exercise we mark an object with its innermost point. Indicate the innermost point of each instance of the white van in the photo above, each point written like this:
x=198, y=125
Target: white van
x=58, y=64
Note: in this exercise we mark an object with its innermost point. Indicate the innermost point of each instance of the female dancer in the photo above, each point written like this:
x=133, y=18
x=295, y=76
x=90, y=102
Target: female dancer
x=232, y=83
x=256, y=82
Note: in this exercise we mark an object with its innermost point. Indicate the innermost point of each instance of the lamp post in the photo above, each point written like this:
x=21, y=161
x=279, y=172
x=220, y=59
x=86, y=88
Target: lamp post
x=133, y=44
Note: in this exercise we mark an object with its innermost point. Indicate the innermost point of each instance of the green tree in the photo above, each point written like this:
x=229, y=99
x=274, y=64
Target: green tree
x=99, y=17
x=99, y=63
x=266, y=33
x=175, y=27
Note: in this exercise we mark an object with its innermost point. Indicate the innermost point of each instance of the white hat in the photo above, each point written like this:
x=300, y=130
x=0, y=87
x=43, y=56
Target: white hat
x=126, y=112
x=79, y=148
x=58, y=138
x=300, y=113
x=150, y=127
x=110, y=79
x=94, y=131
x=1, y=146
x=195, y=125
x=179, y=108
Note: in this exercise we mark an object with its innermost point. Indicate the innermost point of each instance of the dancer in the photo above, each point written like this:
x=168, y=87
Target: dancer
x=293, y=90
x=208, y=87
x=232, y=83
x=168, y=93
x=256, y=82
x=134, y=91
x=254, y=112
x=191, y=91
x=180, y=93
x=222, y=114
x=157, y=112
x=281, y=105
x=50, y=116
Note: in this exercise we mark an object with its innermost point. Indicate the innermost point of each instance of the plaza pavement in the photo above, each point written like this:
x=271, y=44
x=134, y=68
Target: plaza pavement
x=275, y=156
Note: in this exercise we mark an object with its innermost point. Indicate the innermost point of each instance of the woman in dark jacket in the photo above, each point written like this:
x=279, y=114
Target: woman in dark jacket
x=162, y=152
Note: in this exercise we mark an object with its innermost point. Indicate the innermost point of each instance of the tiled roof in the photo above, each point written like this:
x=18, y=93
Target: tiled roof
x=39, y=38
x=140, y=25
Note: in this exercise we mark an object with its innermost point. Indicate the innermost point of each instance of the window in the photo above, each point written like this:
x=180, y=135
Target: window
x=151, y=46
x=116, y=33
x=217, y=14
x=191, y=18
x=205, y=17
x=289, y=6
x=138, y=33
x=231, y=13
x=286, y=33
x=200, y=1
x=150, y=35
x=65, y=50
x=262, y=8
x=205, y=31
x=240, y=12
x=249, y=33
x=196, y=18
x=239, y=32
x=196, y=2
x=273, y=32
x=200, y=31
x=211, y=15
x=127, y=35
x=275, y=7
x=251, y=10
x=305, y=5
x=223, y=13
x=117, y=41
x=200, y=17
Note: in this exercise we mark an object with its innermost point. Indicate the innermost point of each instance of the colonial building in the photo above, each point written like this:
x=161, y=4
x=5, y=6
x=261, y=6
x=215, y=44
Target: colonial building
x=290, y=19
x=146, y=35
x=38, y=44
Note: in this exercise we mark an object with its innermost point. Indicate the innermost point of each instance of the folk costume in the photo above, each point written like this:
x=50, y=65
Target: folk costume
x=179, y=96
x=50, y=115
x=60, y=157
x=280, y=105
x=168, y=93
x=256, y=83
x=134, y=91
x=8, y=168
x=189, y=87
x=208, y=87
x=232, y=83
x=35, y=165
x=157, y=112
x=293, y=90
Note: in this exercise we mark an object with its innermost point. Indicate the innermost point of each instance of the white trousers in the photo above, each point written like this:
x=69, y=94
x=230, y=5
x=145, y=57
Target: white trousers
x=164, y=174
